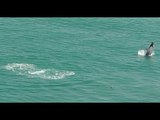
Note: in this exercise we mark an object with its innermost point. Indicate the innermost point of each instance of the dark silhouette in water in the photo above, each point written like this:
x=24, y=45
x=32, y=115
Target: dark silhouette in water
x=150, y=49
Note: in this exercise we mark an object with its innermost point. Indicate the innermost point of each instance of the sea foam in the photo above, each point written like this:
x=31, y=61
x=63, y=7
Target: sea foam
x=31, y=70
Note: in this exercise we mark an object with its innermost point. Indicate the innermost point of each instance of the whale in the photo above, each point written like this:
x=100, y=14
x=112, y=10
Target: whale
x=149, y=50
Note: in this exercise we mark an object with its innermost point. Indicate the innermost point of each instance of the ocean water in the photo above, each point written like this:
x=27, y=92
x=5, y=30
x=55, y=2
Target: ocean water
x=92, y=59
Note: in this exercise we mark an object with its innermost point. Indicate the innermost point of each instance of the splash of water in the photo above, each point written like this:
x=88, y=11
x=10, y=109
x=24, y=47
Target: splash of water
x=143, y=53
x=31, y=70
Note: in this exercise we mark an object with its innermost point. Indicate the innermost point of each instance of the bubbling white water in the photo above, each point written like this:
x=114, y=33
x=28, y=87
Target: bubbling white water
x=31, y=70
x=143, y=53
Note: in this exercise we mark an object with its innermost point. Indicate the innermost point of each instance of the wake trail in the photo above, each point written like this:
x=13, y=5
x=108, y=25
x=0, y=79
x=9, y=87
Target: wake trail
x=31, y=70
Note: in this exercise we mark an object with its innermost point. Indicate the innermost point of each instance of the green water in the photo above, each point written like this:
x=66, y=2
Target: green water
x=79, y=60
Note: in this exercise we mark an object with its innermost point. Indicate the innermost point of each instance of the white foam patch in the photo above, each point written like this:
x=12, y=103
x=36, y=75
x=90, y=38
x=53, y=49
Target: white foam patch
x=30, y=70
x=143, y=53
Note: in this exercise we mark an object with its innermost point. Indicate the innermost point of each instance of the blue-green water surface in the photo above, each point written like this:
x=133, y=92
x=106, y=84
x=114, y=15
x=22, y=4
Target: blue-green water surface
x=79, y=60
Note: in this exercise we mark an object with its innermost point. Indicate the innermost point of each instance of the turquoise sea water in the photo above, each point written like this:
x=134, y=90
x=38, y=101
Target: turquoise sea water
x=79, y=60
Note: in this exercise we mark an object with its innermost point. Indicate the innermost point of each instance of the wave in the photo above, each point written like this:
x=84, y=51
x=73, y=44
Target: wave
x=31, y=70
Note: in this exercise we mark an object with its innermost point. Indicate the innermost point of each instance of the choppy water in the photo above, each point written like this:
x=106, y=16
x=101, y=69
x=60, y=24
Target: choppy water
x=79, y=60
